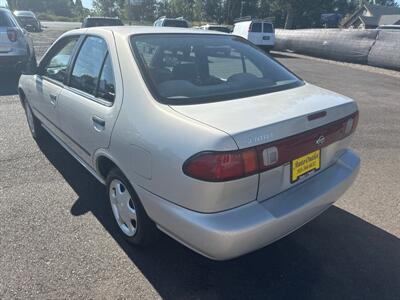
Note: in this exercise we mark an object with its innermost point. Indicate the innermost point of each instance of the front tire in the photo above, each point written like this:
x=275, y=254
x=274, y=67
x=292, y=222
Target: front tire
x=128, y=212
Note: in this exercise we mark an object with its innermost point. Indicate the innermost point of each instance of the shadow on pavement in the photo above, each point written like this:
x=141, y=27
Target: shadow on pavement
x=336, y=256
x=8, y=83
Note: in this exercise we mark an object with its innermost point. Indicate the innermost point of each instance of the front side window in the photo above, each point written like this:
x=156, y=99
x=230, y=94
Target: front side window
x=57, y=65
x=197, y=68
x=89, y=61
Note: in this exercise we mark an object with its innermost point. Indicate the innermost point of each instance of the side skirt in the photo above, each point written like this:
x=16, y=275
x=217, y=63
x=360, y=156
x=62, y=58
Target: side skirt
x=70, y=151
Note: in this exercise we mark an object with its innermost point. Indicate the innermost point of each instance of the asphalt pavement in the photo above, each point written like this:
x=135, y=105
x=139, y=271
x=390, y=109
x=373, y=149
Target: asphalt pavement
x=58, y=241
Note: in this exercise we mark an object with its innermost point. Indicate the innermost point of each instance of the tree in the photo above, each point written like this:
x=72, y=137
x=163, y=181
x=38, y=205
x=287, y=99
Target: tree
x=106, y=8
x=144, y=10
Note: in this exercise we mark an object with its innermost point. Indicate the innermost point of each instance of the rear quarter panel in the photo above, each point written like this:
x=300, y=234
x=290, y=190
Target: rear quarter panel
x=150, y=143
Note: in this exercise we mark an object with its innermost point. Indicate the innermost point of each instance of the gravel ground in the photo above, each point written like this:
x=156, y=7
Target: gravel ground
x=57, y=240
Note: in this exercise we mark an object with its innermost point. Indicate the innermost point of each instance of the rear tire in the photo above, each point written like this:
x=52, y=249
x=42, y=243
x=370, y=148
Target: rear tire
x=128, y=212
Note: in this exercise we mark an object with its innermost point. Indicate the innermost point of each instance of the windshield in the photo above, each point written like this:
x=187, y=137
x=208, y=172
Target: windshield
x=197, y=68
x=26, y=20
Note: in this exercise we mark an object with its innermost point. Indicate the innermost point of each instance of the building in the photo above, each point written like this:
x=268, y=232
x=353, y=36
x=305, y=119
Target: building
x=371, y=16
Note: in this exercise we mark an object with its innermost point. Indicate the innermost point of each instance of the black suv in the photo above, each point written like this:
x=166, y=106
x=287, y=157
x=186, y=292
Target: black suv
x=101, y=21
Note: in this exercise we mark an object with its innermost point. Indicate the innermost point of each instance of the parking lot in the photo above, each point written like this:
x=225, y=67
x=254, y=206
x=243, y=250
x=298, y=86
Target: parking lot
x=57, y=239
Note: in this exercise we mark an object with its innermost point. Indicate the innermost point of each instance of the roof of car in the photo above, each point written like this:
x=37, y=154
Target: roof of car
x=216, y=25
x=24, y=13
x=103, y=18
x=135, y=30
x=168, y=18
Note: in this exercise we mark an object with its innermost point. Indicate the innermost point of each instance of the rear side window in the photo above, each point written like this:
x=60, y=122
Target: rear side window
x=5, y=20
x=106, y=89
x=57, y=64
x=256, y=27
x=268, y=28
x=86, y=71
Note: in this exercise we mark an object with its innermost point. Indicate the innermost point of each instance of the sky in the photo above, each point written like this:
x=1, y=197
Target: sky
x=88, y=3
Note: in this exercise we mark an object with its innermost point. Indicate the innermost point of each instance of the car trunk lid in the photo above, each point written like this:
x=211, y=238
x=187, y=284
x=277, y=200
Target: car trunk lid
x=304, y=114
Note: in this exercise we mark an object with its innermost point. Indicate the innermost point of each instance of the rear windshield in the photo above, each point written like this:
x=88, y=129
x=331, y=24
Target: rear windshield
x=256, y=27
x=175, y=23
x=5, y=20
x=198, y=68
x=268, y=28
x=102, y=22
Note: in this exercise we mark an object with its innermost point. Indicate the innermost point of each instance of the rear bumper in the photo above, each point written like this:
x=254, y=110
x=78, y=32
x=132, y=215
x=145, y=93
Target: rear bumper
x=266, y=47
x=235, y=232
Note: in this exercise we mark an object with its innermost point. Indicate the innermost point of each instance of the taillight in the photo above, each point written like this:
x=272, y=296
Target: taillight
x=354, y=122
x=216, y=166
x=222, y=166
x=12, y=34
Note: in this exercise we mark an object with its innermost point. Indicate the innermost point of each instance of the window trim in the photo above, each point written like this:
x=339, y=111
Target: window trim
x=212, y=99
x=101, y=73
x=45, y=60
x=92, y=97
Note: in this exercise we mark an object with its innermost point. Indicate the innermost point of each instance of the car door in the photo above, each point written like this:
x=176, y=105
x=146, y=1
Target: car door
x=268, y=36
x=255, y=34
x=49, y=83
x=89, y=103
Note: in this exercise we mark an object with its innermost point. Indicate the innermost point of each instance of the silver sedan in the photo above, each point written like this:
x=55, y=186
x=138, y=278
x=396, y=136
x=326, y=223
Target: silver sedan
x=200, y=135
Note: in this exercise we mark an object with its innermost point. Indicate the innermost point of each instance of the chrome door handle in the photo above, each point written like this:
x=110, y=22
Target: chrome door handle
x=53, y=99
x=98, y=123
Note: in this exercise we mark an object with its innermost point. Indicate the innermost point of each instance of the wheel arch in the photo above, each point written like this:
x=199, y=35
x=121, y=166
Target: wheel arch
x=22, y=96
x=104, y=164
